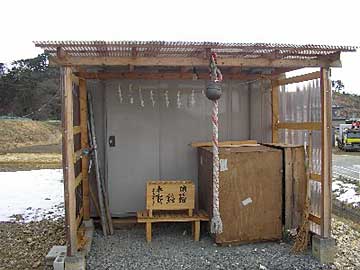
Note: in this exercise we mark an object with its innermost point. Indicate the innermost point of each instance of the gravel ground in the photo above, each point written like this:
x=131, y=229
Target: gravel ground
x=24, y=245
x=347, y=235
x=173, y=248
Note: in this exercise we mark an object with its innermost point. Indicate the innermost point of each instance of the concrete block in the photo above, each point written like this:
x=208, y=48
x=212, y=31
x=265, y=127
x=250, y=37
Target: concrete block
x=59, y=262
x=53, y=253
x=323, y=249
x=76, y=262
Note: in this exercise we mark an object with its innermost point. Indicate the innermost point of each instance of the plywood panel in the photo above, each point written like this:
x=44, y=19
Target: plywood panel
x=250, y=193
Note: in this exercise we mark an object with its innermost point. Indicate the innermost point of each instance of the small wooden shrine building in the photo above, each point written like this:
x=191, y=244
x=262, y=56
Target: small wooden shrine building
x=149, y=105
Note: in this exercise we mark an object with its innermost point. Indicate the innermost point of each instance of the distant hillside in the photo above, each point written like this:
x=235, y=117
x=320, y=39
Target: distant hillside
x=20, y=133
x=349, y=105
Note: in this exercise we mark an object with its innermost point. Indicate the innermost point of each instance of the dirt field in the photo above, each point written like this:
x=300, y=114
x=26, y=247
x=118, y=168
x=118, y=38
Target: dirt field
x=29, y=161
x=26, y=144
x=19, y=133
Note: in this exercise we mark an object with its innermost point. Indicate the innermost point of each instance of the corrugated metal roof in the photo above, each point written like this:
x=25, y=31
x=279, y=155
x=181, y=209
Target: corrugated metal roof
x=190, y=49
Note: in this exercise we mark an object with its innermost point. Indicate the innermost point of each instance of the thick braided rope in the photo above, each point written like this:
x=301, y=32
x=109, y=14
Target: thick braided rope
x=216, y=223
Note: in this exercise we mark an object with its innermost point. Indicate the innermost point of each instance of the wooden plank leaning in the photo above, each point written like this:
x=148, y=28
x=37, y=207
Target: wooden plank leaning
x=103, y=213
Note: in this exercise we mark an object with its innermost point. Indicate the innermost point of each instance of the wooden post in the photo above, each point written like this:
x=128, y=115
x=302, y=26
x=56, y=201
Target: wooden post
x=84, y=145
x=275, y=88
x=148, y=232
x=326, y=153
x=68, y=163
x=196, y=230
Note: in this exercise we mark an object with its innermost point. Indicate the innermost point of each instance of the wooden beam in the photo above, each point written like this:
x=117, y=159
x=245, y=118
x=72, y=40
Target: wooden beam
x=166, y=76
x=78, y=179
x=61, y=53
x=224, y=143
x=84, y=145
x=315, y=177
x=76, y=130
x=275, y=89
x=326, y=153
x=299, y=126
x=75, y=79
x=79, y=217
x=300, y=78
x=94, y=200
x=68, y=163
x=315, y=219
x=77, y=155
x=194, y=61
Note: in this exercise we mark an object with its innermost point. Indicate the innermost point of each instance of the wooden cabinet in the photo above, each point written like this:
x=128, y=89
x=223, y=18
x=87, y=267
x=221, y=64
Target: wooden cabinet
x=250, y=192
x=294, y=184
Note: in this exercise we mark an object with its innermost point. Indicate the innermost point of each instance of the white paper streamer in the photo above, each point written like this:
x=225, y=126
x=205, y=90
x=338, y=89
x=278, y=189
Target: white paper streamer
x=141, y=98
x=178, y=100
x=130, y=94
x=192, y=98
x=120, y=94
x=152, y=98
x=167, y=102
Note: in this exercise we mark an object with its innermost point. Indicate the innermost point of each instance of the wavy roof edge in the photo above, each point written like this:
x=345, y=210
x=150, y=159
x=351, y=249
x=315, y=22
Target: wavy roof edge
x=181, y=44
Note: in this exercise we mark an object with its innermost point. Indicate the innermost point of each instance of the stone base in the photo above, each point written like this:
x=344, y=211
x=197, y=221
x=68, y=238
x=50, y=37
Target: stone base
x=323, y=249
x=89, y=231
x=76, y=262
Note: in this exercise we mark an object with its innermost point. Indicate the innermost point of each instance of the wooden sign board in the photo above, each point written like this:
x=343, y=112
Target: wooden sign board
x=170, y=195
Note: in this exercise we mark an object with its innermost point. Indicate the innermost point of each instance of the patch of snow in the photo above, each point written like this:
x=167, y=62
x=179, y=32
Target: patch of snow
x=345, y=192
x=34, y=195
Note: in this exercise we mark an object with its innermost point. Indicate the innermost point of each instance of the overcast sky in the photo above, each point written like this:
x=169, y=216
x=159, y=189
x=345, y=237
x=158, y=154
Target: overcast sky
x=300, y=22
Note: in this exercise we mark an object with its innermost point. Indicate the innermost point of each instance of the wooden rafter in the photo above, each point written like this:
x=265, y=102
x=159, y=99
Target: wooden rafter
x=165, y=76
x=300, y=78
x=193, y=61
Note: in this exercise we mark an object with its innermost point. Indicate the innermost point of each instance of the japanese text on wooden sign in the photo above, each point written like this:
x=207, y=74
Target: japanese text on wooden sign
x=170, y=195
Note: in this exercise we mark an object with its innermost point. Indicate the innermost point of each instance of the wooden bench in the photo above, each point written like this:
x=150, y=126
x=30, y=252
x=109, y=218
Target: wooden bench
x=196, y=218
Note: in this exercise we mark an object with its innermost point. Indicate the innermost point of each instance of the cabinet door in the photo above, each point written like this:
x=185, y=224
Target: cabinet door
x=251, y=196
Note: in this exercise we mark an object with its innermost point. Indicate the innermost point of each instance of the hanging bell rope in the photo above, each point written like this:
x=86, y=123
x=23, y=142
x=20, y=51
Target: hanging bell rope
x=213, y=92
